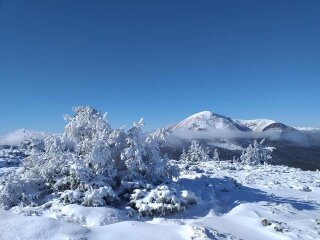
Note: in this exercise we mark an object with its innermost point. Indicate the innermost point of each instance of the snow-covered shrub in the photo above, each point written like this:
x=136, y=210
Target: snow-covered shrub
x=256, y=153
x=196, y=153
x=15, y=189
x=71, y=196
x=90, y=164
x=160, y=201
x=100, y=197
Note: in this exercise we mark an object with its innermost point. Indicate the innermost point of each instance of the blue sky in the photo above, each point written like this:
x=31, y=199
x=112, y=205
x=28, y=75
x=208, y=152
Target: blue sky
x=161, y=60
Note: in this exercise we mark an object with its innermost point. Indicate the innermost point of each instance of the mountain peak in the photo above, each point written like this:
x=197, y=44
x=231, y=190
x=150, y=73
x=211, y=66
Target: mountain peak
x=208, y=120
x=203, y=113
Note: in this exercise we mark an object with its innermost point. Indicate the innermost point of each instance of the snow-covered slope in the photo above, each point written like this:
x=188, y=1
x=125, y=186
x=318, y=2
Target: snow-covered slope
x=207, y=120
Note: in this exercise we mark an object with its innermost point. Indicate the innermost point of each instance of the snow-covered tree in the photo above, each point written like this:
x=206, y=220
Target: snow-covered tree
x=195, y=153
x=215, y=155
x=184, y=156
x=87, y=124
x=133, y=154
x=88, y=132
x=256, y=153
x=159, y=169
x=80, y=160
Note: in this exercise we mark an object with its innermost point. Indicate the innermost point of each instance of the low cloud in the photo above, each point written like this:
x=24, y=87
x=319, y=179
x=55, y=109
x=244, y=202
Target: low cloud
x=14, y=138
x=305, y=138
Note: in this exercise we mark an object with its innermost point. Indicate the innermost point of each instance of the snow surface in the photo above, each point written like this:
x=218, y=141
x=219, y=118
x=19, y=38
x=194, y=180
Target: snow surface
x=234, y=202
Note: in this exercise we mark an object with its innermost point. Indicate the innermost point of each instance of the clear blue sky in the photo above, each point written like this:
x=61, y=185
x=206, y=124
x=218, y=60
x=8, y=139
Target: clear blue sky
x=163, y=60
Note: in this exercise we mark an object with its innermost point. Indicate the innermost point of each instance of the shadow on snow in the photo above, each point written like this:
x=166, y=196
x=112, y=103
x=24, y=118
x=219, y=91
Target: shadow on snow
x=223, y=194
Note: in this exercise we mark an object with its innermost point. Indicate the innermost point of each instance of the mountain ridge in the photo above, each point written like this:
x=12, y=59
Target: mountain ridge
x=208, y=120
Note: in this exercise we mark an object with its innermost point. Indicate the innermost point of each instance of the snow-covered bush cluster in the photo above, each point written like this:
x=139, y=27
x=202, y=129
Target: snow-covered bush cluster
x=93, y=165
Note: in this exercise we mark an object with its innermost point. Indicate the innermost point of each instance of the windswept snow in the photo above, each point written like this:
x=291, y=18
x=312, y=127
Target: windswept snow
x=88, y=216
x=37, y=228
x=13, y=226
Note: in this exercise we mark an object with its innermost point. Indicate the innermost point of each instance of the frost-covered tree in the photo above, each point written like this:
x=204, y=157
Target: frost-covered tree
x=195, y=153
x=184, y=156
x=256, y=153
x=80, y=160
x=215, y=155
x=133, y=154
x=88, y=133
x=87, y=124
x=159, y=169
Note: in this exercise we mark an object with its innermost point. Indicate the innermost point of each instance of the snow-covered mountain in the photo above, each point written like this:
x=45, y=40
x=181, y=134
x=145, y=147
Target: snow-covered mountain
x=207, y=120
x=260, y=125
x=220, y=131
x=256, y=124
